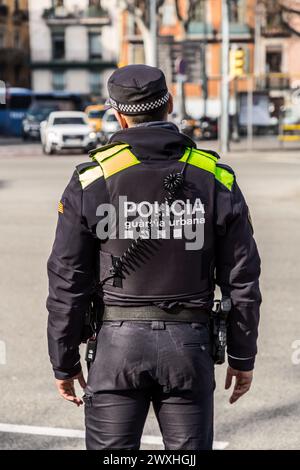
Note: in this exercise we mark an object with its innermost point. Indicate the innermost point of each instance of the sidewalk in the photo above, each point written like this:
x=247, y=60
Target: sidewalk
x=260, y=144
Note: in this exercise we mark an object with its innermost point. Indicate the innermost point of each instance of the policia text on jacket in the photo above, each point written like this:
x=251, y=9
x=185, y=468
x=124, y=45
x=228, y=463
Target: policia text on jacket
x=181, y=219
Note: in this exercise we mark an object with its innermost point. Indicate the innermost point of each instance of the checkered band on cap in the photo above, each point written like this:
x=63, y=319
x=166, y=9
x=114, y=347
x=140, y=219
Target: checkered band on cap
x=140, y=107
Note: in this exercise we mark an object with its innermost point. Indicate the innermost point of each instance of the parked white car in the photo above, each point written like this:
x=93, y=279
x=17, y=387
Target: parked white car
x=67, y=130
x=110, y=125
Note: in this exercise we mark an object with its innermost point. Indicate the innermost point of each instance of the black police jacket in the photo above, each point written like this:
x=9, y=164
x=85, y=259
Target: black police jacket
x=203, y=237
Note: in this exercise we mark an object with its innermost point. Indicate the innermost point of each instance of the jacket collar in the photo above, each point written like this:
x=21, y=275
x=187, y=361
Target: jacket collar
x=153, y=141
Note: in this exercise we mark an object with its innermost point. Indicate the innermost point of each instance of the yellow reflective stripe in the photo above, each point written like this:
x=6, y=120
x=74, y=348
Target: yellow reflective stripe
x=105, y=153
x=90, y=175
x=121, y=161
x=198, y=159
x=225, y=177
x=207, y=162
x=209, y=155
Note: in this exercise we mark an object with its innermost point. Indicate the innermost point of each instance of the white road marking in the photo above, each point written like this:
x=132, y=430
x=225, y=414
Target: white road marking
x=76, y=433
x=2, y=351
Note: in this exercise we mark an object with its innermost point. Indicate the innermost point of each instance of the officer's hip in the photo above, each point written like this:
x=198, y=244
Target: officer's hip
x=135, y=354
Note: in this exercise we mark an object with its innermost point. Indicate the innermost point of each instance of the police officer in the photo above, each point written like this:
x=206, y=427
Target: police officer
x=151, y=224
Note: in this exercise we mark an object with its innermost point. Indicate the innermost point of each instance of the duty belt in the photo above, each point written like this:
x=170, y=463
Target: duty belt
x=151, y=312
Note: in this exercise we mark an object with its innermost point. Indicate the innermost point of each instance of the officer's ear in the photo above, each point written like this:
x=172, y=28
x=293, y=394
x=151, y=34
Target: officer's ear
x=121, y=119
x=170, y=104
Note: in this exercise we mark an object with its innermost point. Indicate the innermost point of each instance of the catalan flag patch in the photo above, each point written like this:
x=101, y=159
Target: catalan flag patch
x=60, y=207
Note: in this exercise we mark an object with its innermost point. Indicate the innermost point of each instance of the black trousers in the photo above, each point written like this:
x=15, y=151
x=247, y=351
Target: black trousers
x=168, y=363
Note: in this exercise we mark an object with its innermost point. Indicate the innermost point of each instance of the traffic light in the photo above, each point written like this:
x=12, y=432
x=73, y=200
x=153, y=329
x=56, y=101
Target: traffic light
x=237, y=62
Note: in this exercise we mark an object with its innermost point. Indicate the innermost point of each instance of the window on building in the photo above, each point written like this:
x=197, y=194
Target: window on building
x=95, y=45
x=199, y=12
x=58, y=45
x=169, y=13
x=274, y=60
x=58, y=80
x=95, y=83
x=236, y=11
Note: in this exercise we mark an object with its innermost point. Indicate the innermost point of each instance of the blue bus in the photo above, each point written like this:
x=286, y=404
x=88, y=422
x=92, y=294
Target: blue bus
x=20, y=101
x=12, y=113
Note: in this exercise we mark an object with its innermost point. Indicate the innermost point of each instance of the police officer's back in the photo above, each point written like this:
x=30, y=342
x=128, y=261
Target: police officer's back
x=150, y=225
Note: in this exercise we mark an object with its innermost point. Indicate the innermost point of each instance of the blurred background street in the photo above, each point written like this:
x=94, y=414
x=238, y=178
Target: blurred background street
x=233, y=67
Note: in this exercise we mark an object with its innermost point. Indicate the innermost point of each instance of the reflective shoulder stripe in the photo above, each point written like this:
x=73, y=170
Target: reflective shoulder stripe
x=115, y=159
x=206, y=154
x=224, y=176
x=90, y=175
x=207, y=162
x=107, y=152
x=199, y=159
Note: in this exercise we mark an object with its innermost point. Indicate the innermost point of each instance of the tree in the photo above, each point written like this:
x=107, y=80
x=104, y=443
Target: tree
x=290, y=15
x=140, y=11
x=185, y=12
x=285, y=13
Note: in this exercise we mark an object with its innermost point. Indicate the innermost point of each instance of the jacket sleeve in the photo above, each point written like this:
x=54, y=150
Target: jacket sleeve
x=72, y=274
x=237, y=274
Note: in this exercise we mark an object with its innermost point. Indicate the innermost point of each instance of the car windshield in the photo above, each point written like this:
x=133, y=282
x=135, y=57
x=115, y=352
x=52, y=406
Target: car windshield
x=40, y=113
x=68, y=120
x=111, y=118
x=96, y=114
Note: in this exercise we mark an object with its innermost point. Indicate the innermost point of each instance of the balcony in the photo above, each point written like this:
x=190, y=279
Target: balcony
x=91, y=16
x=274, y=81
x=200, y=29
x=275, y=31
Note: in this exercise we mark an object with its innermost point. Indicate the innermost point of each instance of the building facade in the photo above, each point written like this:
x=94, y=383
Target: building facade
x=14, y=43
x=199, y=44
x=73, y=45
x=264, y=30
x=278, y=45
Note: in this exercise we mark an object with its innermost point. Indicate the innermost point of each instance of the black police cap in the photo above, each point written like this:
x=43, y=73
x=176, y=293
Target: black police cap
x=137, y=89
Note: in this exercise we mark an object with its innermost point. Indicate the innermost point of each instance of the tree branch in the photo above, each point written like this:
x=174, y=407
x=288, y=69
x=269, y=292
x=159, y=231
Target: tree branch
x=288, y=9
x=191, y=6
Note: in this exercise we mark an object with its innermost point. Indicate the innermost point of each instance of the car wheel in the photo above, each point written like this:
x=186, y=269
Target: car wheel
x=48, y=149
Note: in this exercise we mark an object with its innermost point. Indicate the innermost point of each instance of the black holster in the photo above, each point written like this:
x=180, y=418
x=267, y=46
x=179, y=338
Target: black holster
x=219, y=318
x=93, y=317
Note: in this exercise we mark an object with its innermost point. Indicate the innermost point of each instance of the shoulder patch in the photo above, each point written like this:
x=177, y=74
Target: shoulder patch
x=199, y=159
x=112, y=160
x=85, y=166
x=225, y=175
x=209, y=154
x=226, y=167
x=88, y=173
x=108, y=150
x=209, y=162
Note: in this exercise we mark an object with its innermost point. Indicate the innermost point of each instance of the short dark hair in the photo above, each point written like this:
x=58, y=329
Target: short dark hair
x=156, y=115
